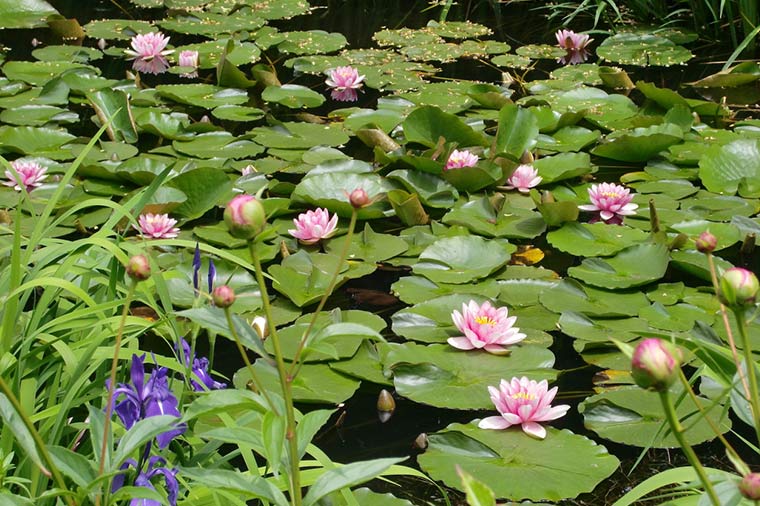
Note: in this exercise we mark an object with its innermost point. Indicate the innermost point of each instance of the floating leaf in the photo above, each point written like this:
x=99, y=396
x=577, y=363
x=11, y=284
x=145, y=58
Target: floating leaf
x=462, y=259
x=642, y=49
x=732, y=167
x=426, y=125
x=440, y=375
x=633, y=266
x=293, y=96
x=634, y=416
x=515, y=465
x=594, y=239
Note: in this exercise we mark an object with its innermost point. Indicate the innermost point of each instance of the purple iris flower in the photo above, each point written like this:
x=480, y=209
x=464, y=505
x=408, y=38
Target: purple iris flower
x=143, y=399
x=143, y=480
x=201, y=380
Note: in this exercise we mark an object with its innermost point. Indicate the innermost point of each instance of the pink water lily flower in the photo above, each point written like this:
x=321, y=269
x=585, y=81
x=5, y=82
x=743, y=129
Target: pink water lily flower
x=575, y=45
x=460, y=159
x=485, y=327
x=344, y=81
x=312, y=226
x=523, y=178
x=157, y=226
x=189, y=59
x=525, y=402
x=30, y=174
x=611, y=201
x=149, y=52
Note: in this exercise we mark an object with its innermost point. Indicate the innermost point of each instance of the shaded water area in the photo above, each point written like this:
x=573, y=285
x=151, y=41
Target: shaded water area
x=355, y=433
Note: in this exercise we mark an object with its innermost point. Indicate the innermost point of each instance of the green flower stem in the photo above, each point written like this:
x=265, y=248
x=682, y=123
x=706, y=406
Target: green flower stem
x=53, y=470
x=678, y=430
x=730, y=449
x=248, y=365
x=749, y=360
x=285, y=381
x=727, y=325
x=11, y=303
x=112, y=383
x=333, y=281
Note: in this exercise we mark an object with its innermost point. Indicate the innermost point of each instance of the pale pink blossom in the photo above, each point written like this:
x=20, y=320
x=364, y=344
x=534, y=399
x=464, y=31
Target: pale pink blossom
x=575, y=46
x=149, y=52
x=30, y=175
x=344, y=82
x=485, y=327
x=523, y=178
x=312, y=226
x=157, y=226
x=248, y=170
x=525, y=402
x=611, y=201
x=460, y=159
x=189, y=59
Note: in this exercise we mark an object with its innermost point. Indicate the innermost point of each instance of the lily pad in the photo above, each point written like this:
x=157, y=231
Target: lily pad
x=594, y=239
x=479, y=216
x=569, y=295
x=426, y=125
x=330, y=190
x=732, y=167
x=640, y=144
x=634, y=416
x=442, y=376
x=515, y=465
x=462, y=259
x=293, y=95
x=207, y=96
x=643, y=50
x=634, y=266
x=370, y=246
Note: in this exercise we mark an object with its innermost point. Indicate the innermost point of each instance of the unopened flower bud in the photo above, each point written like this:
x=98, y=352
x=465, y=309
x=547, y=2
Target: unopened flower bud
x=223, y=296
x=386, y=405
x=245, y=217
x=738, y=287
x=138, y=268
x=359, y=198
x=655, y=364
x=750, y=486
x=706, y=242
x=259, y=324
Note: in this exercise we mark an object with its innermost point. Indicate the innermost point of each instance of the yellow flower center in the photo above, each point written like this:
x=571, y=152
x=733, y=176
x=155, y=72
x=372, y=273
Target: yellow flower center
x=524, y=396
x=610, y=195
x=484, y=320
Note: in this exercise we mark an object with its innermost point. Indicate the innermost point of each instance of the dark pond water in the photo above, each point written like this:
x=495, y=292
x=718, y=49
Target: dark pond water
x=355, y=432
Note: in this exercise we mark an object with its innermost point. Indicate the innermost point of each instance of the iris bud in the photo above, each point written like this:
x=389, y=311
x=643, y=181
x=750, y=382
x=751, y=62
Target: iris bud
x=738, y=287
x=655, y=364
x=245, y=217
x=223, y=296
x=138, y=268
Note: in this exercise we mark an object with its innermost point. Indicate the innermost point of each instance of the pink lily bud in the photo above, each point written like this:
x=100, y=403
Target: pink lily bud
x=655, y=364
x=706, y=242
x=138, y=268
x=738, y=287
x=359, y=198
x=245, y=217
x=223, y=296
x=750, y=486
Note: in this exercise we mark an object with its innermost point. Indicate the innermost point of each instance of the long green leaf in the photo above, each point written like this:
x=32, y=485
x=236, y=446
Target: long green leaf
x=346, y=476
x=140, y=433
x=13, y=420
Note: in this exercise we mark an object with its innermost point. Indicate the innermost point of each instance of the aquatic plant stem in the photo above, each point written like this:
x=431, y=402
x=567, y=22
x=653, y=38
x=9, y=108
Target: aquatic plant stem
x=248, y=365
x=678, y=432
x=749, y=360
x=285, y=381
x=727, y=325
x=333, y=281
x=52, y=470
x=112, y=378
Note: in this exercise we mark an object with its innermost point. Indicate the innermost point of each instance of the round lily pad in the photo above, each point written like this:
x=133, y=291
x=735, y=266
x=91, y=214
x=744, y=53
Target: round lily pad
x=569, y=295
x=634, y=416
x=634, y=266
x=594, y=239
x=515, y=465
x=734, y=166
x=462, y=259
x=442, y=376
x=642, y=49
